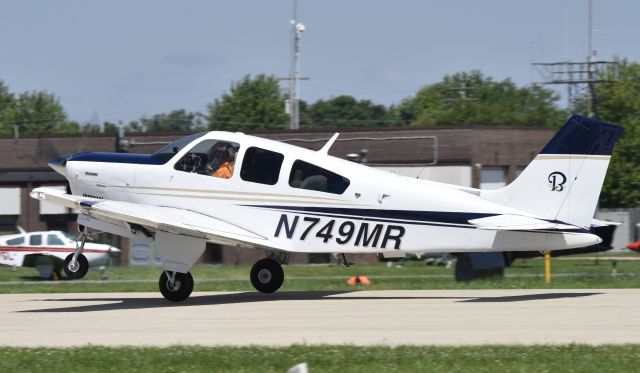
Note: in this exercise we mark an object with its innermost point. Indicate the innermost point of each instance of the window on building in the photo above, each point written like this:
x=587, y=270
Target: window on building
x=493, y=177
x=35, y=240
x=261, y=166
x=210, y=157
x=305, y=175
x=16, y=241
x=54, y=240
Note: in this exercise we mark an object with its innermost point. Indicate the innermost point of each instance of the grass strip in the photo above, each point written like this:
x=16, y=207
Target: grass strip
x=325, y=358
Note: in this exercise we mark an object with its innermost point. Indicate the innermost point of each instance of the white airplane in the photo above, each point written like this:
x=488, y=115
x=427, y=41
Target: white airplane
x=286, y=199
x=50, y=251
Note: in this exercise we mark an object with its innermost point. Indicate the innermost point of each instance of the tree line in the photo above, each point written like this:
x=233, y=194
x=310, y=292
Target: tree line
x=258, y=103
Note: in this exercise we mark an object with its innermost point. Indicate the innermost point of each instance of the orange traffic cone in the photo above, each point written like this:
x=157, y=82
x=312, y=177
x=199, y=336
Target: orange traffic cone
x=364, y=280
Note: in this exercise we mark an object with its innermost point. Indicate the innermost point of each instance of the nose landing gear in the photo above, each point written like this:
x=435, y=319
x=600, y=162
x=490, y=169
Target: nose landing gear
x=176, y=286
x=76, y=265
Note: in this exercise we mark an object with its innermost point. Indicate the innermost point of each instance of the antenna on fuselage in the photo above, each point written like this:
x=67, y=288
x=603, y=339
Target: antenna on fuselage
x=327, y=146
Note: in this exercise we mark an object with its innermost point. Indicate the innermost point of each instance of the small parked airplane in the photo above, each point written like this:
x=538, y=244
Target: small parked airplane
x=286, y=199
x=48, y=251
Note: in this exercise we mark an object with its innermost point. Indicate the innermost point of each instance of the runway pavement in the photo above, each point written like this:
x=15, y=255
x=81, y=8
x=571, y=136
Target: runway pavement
x=433, y=317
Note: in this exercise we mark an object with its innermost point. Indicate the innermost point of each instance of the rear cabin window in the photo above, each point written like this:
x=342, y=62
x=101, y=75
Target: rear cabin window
x=210, y=157
x=309, y=176
x=35, y=240
x=16, y=241
x=54, y=240
x=261, y=166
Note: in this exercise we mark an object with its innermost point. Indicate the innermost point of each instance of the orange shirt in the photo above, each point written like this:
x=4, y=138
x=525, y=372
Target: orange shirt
x=224, y=171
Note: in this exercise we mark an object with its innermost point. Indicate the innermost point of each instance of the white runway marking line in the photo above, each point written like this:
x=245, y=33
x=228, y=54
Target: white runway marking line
x=433, y=317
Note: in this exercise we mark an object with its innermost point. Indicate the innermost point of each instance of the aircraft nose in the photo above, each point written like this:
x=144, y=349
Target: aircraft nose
x=59, y=164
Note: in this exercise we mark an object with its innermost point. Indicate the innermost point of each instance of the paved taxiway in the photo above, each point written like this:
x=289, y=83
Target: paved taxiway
x=443, y=317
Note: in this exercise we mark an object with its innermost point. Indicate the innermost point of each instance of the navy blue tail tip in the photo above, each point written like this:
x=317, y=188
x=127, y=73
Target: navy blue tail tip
x=584, y=136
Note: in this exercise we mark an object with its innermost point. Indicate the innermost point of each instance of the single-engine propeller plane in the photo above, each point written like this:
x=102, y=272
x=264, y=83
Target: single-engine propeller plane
x=47, y=252
x=235, y=189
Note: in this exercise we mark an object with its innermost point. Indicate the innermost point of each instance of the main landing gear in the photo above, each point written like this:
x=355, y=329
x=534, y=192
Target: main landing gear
x=176, y=286
x=76, y=265
x=267, y=275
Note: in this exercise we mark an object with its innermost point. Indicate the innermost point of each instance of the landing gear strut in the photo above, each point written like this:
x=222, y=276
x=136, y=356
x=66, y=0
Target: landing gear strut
x=176, y=286
x=76, y=265
x=267, y=275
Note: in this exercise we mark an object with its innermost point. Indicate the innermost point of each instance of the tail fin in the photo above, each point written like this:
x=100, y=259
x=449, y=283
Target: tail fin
x=564, y=181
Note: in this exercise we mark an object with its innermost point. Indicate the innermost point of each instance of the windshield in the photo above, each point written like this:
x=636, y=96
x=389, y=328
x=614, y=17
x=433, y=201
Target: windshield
x=168, y=151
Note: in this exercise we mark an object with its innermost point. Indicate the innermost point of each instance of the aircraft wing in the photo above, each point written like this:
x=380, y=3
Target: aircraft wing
x=167, y=219
x=508, y=222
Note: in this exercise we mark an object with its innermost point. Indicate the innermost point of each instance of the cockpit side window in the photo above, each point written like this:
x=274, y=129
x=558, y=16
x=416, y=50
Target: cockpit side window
x=305, y=175
x=261, y=166
x=210, y=157
x=168, y=151
x=16, y=241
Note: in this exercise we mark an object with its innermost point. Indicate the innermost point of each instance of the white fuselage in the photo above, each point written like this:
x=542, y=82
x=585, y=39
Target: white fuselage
x=15, y=248
x=378, y=212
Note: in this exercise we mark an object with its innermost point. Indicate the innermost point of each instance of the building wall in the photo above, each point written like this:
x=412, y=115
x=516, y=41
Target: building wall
x=625, y=233
x=457, y=175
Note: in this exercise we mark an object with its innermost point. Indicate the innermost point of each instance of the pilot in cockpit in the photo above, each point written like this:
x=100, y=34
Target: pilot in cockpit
x=223, y=160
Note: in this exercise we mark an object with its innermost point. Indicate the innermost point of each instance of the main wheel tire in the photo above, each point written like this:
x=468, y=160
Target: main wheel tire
x=267, y=275
x=81, y=269
x=181, y=289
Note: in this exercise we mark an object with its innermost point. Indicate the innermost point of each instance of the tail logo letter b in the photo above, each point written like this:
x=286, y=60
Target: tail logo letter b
x=557, y=180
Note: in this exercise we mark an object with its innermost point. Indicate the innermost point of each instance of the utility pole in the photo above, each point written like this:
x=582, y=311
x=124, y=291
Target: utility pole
x=293, y=104
x=580, y=77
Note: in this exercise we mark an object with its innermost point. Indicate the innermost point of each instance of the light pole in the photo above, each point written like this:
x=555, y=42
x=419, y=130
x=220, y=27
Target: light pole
x=294, y=74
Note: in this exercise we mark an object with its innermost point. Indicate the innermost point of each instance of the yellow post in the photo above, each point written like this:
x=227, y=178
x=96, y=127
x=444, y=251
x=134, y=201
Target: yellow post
x=547, y=267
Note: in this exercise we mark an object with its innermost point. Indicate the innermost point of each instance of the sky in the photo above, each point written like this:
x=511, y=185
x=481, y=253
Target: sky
x=128, y=59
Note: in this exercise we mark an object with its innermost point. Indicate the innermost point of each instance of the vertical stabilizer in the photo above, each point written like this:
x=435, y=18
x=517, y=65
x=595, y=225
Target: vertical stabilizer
x=563, y=182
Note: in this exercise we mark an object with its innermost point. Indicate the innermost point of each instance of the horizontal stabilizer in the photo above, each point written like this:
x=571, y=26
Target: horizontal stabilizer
x=603, y=223
x=508, y=222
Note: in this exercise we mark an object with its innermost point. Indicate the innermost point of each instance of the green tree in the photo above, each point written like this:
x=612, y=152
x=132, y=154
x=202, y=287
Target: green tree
x=6, y=101
x=37, y=112
x=251, y=104
x=619, y=102
x=472, y=98
x=344, y=111
x=176, y=121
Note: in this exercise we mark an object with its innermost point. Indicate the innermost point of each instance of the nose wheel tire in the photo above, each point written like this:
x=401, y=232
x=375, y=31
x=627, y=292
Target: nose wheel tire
x=77, y=271
x=267, y=275
x=177, y=291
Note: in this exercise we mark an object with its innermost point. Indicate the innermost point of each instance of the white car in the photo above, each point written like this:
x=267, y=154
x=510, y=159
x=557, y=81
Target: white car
x=47, y=251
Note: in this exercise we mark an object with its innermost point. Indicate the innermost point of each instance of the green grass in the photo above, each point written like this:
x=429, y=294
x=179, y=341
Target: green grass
x=568, y=358
x=567, y=272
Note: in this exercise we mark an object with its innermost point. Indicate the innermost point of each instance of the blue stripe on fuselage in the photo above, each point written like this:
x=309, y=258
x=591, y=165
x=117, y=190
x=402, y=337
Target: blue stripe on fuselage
x=432, y=218
x=116, y=158
x=460, y=218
